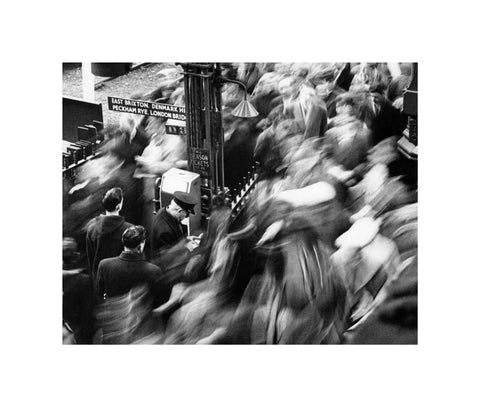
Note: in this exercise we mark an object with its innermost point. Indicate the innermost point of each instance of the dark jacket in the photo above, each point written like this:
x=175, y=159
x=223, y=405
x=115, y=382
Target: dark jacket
x=330, y=101
x=104, y=239
x=388, y=122
x=238, y=153
x=78, y=304
x=316, y=120
x=118, y=275
x=166, y=231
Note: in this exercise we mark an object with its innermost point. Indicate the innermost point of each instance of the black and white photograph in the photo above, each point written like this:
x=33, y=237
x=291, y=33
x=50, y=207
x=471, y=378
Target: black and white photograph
x=247, y=213
x=240, y=203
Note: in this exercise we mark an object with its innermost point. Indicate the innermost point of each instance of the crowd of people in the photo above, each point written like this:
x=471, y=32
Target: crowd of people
x=325, y=251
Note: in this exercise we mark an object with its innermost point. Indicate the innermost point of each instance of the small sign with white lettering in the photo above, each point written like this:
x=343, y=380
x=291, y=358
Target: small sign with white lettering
x=200, y=161
x=147, y=108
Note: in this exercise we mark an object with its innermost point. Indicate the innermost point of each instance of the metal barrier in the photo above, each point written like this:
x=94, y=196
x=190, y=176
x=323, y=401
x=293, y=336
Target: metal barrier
x=239, y=202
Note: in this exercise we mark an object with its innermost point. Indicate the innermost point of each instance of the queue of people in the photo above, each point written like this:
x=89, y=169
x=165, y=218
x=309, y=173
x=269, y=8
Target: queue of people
x=324, y=252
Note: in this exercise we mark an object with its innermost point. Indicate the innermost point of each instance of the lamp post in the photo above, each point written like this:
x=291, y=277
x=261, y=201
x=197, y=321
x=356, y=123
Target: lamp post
x=244, y=109
x=205, y=142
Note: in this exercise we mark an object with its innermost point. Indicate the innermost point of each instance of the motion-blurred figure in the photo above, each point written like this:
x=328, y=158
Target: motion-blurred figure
x=368, y=263
x=304, y=298
x=323, y=78
x=78, y=296
x=346, y=144
x=379, y=115
x=395, y=320
x=396, y=89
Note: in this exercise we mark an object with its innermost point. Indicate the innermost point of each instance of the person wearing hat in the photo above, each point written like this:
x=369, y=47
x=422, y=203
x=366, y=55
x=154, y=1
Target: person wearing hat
x=167, y=229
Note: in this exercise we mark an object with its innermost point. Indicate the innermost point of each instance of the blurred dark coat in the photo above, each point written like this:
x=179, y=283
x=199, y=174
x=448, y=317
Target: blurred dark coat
x=166, y=231
x=345, y=78
x=316, y=120
x=330, y=101
x=78, y=304
x=104, y=239
x=118, y=275
x=387, y=122
x=238, y=152
x=266, y=102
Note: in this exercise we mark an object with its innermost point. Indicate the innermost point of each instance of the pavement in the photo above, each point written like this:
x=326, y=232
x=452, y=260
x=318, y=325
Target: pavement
x=142, y=78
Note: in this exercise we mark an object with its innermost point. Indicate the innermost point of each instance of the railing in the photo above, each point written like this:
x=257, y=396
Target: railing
x=240, y=200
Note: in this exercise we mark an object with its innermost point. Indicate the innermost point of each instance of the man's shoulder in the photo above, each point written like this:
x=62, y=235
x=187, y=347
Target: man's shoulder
x=152, y=267
x=92, y=223
x=163, y=217
x=126, y=225
x=108, y=262
x=140, y=265
x=161, y=213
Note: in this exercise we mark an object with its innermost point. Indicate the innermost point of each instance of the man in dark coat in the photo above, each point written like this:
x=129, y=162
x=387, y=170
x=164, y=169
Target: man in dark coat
x=167, y=229
x=118, y=275
x=104, y=233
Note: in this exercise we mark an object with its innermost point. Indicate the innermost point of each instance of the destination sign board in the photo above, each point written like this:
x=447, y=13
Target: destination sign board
x=147, y=108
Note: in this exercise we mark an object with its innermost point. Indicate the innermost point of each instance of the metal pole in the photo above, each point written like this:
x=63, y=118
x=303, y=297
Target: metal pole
x=208, y=132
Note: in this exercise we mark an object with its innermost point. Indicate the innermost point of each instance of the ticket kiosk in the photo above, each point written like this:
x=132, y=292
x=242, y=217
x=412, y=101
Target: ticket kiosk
x=185, y=181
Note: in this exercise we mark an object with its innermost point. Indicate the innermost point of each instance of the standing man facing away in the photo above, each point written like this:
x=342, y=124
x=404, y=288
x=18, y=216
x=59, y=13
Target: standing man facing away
x=104, y=233
x=118, y=275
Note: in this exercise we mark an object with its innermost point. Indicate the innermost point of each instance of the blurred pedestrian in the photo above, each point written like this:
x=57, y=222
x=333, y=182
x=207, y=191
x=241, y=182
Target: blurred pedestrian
x=347, y=143
x=78, y=296
x=323, y=78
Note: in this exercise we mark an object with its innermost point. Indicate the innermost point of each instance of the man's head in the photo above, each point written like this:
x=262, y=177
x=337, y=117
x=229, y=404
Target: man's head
x=349, y=103
x=113, y=200
x=182, y=205
x=134, y=238
x=322, y=78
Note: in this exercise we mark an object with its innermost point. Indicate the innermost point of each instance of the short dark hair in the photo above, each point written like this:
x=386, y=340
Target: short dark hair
x=112, y=198
x=134, y=236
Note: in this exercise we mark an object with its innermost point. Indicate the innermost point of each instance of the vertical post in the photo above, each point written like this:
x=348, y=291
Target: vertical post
x=208, y=129
x=217, y=108
x=88, y=82
x=204, y=124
